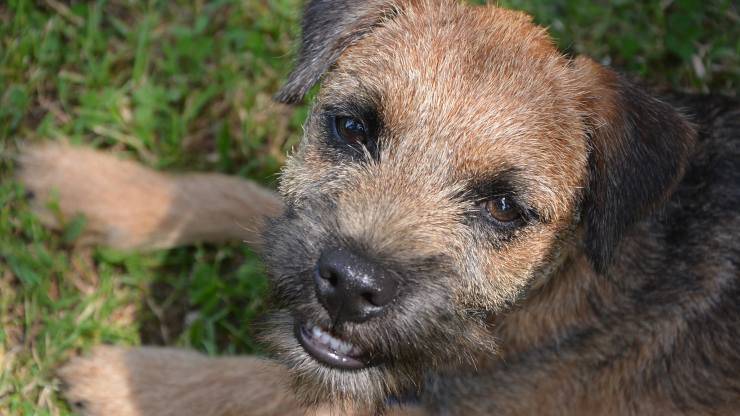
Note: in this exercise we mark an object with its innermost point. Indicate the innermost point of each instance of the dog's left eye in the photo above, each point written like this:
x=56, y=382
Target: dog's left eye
x=350, y=130
x=502, y=210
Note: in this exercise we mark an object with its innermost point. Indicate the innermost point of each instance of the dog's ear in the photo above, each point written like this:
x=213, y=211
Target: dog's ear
x=329, y=27
x=639, y=149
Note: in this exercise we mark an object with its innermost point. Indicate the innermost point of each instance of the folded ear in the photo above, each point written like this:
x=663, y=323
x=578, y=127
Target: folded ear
x=639, y=149
x=329, y=27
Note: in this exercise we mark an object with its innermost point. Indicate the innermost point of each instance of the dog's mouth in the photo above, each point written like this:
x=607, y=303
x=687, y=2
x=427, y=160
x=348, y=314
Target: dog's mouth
x=330, y=350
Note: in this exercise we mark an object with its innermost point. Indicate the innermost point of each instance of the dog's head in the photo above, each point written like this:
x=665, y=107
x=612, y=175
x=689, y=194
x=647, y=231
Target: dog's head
x=453, y=157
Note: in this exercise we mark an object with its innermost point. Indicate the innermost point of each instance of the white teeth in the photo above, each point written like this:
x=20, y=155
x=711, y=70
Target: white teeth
x=335, y=344
x=345, y=348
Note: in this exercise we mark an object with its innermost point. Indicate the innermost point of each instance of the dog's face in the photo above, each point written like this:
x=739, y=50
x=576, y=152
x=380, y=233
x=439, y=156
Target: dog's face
x=443, y=172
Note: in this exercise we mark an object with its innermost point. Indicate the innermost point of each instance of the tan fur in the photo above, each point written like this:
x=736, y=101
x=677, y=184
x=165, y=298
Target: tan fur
x=160, y=381
x=129, y=206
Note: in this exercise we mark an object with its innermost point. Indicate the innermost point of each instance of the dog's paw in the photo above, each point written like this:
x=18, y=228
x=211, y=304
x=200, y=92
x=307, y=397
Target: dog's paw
x=125, y=205
x=99, y=384
x=115, y=381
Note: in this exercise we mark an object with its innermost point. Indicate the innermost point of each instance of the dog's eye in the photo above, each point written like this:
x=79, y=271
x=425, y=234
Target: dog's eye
x=502, y=210
x=350, y=130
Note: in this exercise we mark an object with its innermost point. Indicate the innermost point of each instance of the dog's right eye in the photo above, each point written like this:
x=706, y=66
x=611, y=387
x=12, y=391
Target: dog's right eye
x=350, y=130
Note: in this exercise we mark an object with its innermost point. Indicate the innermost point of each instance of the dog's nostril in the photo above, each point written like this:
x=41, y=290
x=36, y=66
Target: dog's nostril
x=333, y=280
x=370, y=298
x=378, y=299
x=329, y=275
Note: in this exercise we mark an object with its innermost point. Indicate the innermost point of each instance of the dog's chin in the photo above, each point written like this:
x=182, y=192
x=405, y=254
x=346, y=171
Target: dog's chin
x=325, y=369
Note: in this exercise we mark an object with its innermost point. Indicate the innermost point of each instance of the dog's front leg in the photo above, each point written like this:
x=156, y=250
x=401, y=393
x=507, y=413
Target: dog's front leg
x=130, y=206
x=115, y=381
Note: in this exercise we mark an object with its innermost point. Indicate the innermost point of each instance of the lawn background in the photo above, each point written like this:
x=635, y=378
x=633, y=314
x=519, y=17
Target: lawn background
x=184, y=85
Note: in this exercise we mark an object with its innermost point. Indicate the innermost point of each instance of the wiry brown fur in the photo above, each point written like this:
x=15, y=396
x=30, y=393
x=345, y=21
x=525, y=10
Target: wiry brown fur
x=616, y=296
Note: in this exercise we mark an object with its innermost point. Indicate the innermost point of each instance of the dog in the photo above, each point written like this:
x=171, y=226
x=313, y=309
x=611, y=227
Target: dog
x=474, y=223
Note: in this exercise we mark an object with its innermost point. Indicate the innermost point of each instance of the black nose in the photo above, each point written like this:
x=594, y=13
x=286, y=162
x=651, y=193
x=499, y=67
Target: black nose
x=352, y=288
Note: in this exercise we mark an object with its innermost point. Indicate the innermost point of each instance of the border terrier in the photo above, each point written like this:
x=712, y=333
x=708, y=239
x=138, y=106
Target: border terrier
x=473, y=224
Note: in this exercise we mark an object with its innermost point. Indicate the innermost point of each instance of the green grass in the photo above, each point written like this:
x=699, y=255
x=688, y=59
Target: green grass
x=186, y=85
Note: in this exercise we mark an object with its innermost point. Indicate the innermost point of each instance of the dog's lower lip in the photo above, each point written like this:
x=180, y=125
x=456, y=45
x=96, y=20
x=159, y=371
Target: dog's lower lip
x=344, y=357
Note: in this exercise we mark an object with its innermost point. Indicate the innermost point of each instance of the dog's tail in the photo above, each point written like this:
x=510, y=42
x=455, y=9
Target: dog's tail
x=128, y=206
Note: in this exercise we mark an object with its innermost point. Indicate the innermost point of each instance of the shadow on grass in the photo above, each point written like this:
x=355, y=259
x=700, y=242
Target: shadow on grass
x=206, y=298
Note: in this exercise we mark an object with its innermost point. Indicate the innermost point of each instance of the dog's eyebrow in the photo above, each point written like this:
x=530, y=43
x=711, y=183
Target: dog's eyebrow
x=355, y=100
x=353, y=107
x=505, y=182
